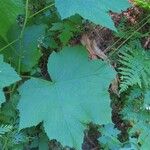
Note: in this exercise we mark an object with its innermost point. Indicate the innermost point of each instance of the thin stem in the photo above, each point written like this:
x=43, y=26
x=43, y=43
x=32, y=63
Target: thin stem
x=26, y=18
x=129, y=37
x=24, y=76
x=41, y=11
x=3, y=48
x=20, y=42
x=5, y=144
x=15, y=85
x=109, y=47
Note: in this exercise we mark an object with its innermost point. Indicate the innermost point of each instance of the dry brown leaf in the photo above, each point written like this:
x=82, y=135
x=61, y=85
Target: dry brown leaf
x=87, y=43
x=92, y=48
x=99, y=52
x=147, y=43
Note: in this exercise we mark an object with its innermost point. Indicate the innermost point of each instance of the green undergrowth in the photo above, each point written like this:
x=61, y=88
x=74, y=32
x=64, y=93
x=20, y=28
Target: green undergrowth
x=53, y=96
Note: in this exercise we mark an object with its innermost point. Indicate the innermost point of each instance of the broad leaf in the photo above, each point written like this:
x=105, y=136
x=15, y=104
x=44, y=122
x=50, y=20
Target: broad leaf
x=94, y=10
x=9, y=9
x=7, y=77
x=26, y=49
x=78, y=94
x=146, y=142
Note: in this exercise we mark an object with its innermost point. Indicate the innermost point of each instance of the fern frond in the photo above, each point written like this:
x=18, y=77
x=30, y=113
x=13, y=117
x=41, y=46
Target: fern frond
x=135, y=66
x=143, y=3
x=4, y=129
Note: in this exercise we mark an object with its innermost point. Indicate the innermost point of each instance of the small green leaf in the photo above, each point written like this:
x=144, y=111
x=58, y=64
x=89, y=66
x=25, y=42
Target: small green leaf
x=67, y=28
x=77, y=95
x=65, y=36
x=7, y=77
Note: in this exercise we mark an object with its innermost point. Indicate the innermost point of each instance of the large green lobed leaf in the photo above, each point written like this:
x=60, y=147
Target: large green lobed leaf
x=93, y=10
x=78, y=94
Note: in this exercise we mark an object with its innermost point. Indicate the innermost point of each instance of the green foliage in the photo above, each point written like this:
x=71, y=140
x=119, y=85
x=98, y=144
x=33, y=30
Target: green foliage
x=124, y=30
x=4, y=129
x=137, y=113
x=43, y=142
x=147, y=100
x=78, y=91
x=25, y=51
x=135, y=66
x=146, y=142
x=67, y=29
x=97, y=12
x=143, y=3
x=130, y=145
x=9, y=9
x=7, y=76
x=109, y=138
x=70, y=98
x=13, y=140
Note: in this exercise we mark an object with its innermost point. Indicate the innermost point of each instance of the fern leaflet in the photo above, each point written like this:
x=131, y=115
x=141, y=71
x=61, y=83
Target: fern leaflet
x=135, y=66
x=4, y=129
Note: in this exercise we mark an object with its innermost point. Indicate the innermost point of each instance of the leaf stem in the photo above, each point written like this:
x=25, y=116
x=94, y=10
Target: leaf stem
x=130, y=37
x=109, y=47
x=41, y=11
x=20, y=42
x=26, y=18
x=3, y=48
